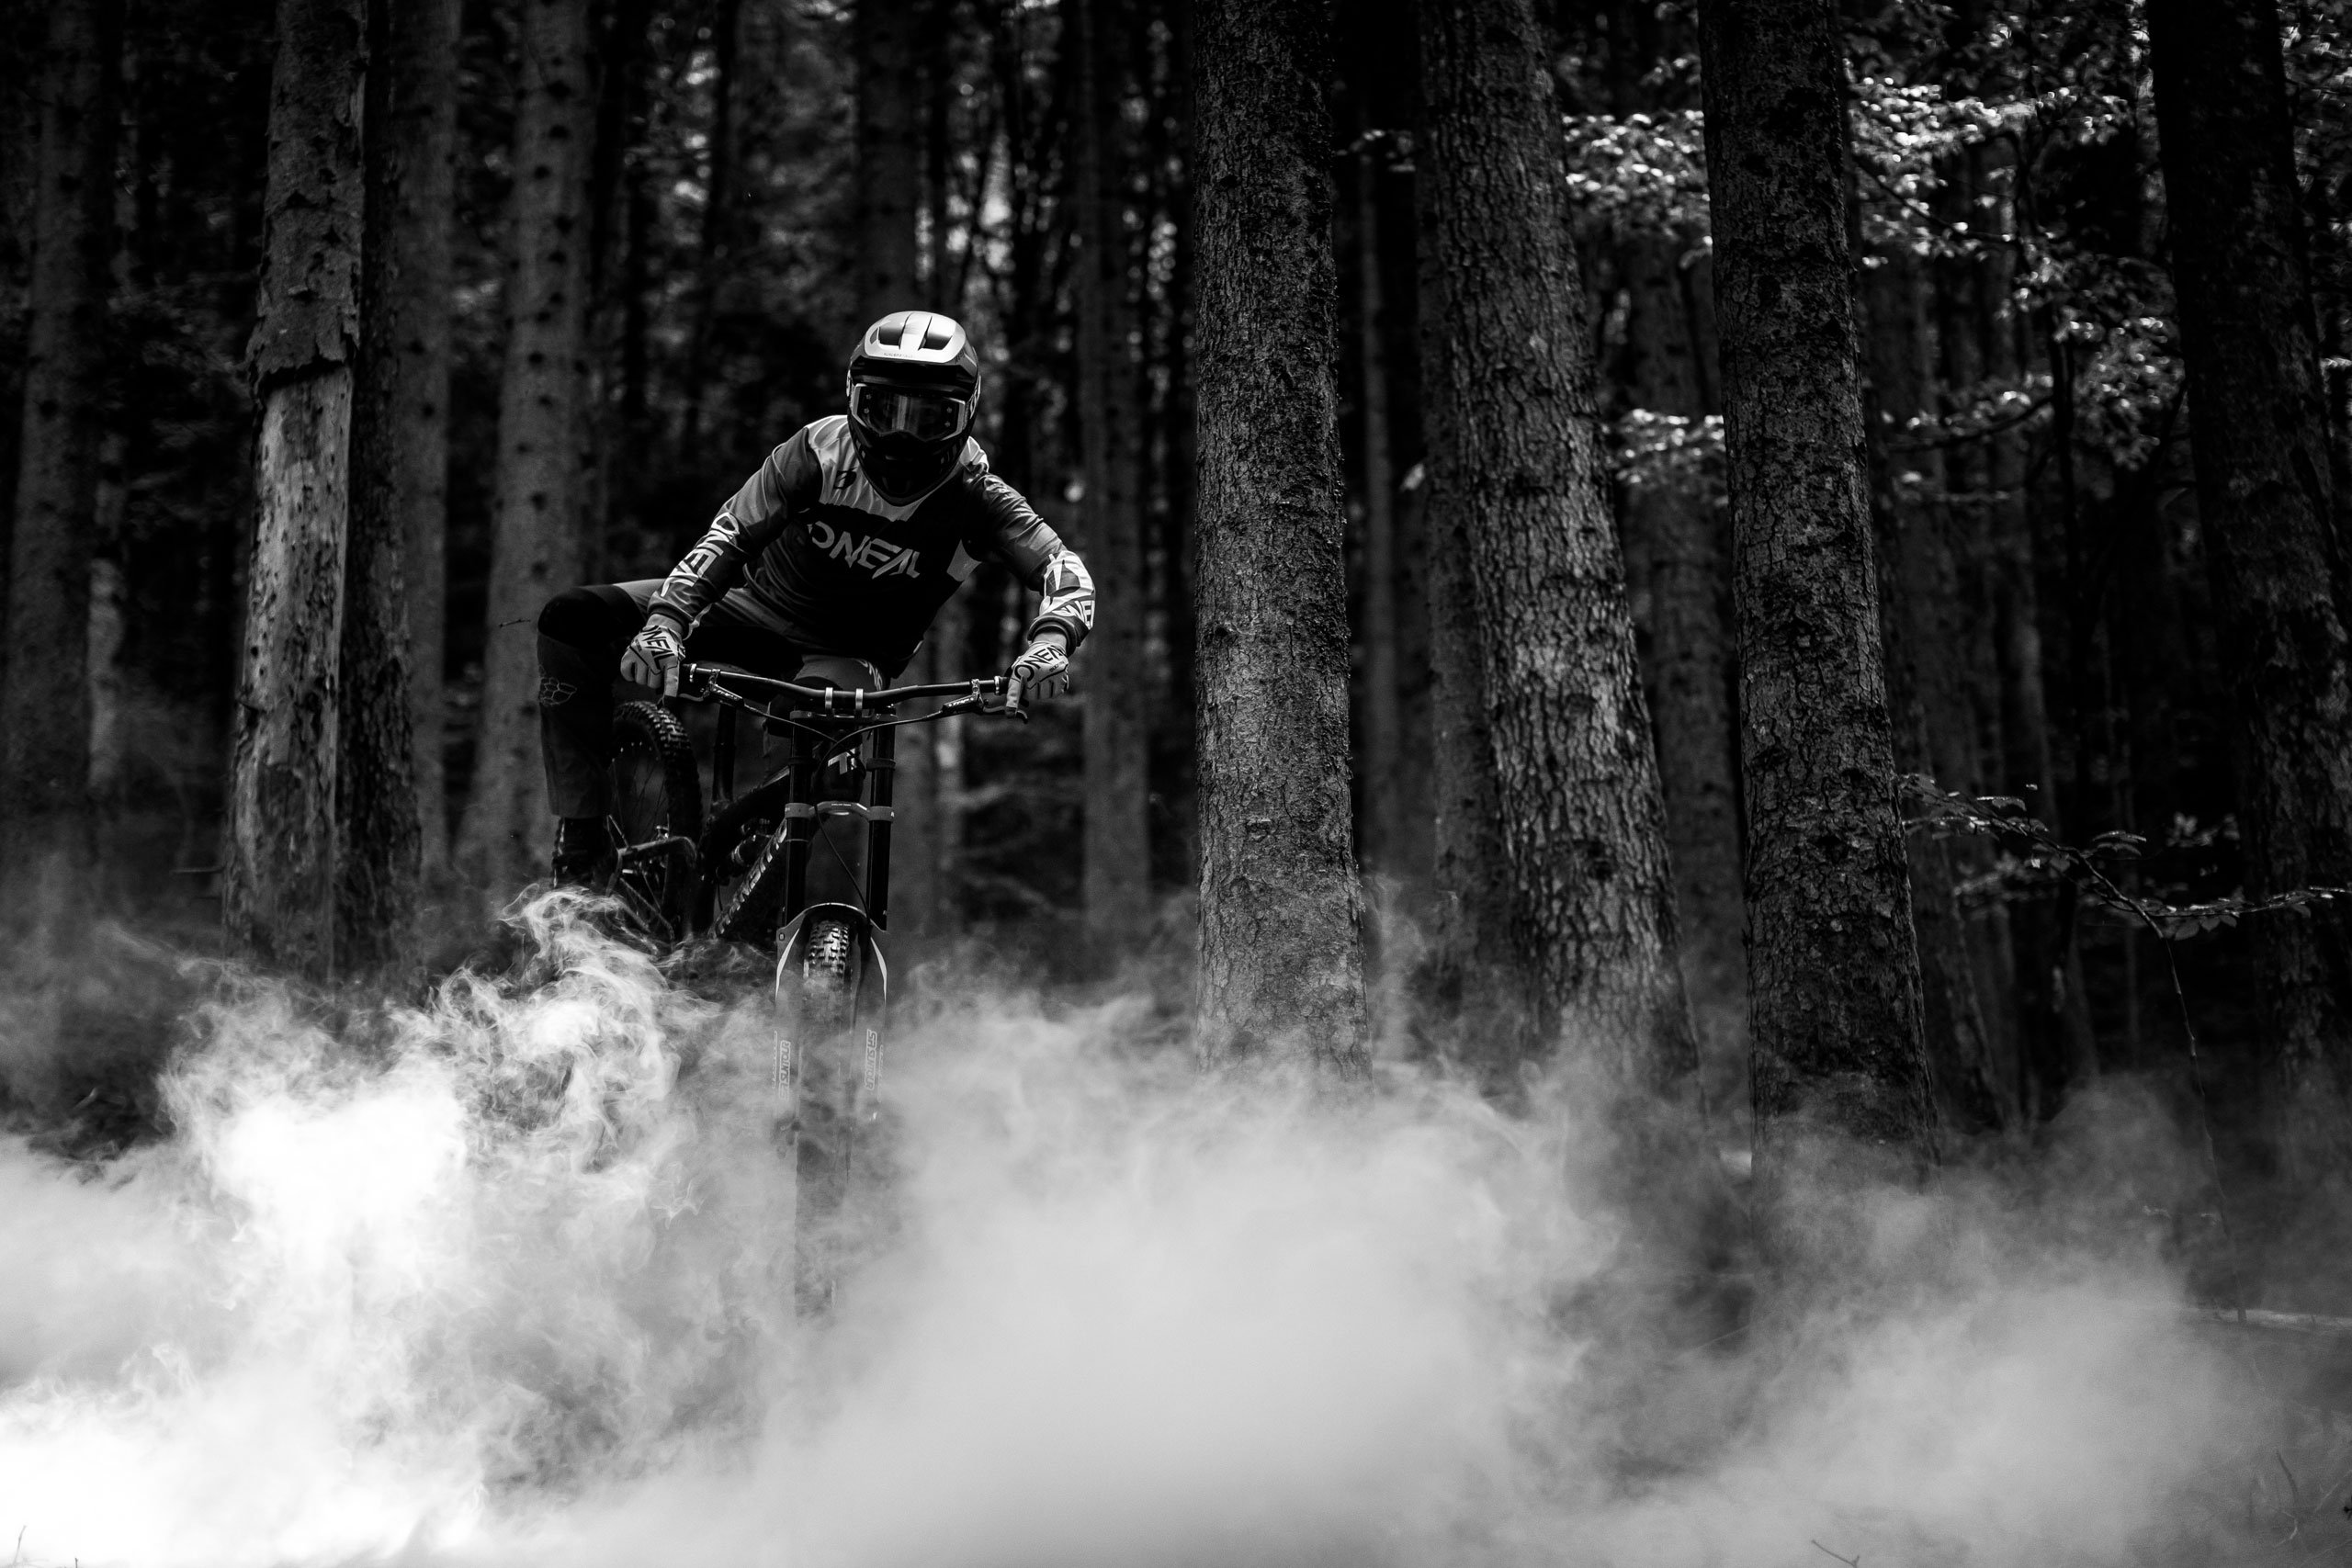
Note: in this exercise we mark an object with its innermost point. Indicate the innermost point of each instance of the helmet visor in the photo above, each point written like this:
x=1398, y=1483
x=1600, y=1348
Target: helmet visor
x=925, y=414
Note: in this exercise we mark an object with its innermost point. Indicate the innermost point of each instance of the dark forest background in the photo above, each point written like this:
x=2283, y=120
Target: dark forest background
x=761, y=177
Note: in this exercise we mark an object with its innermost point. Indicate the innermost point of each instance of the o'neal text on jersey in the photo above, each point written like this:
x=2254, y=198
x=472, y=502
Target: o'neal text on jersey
x=875, y=554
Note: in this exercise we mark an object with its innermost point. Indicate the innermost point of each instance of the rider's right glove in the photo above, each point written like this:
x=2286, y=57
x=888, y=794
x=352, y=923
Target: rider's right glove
x=1043, y=668
x=654, y=658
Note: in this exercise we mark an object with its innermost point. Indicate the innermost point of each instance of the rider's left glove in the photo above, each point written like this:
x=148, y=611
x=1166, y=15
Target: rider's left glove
x=655, y=658
x=1043, y=668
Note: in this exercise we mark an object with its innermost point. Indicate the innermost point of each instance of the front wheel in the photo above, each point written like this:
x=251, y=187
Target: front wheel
x=833, y=1076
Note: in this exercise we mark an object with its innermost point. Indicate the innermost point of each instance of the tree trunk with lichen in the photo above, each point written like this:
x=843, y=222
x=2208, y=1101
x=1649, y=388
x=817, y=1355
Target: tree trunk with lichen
x=1282, y=960
x=538, y=516
x=1575, y=895
x=1678, y=564
x=1833, y=968
x=279, y=894
x=390, y=730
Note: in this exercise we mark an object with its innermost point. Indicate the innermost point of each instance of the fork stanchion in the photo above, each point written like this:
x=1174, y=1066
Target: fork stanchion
x=800, y=832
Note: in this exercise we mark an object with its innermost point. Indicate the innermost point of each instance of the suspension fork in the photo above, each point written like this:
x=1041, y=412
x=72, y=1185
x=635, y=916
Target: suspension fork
x=803, y=770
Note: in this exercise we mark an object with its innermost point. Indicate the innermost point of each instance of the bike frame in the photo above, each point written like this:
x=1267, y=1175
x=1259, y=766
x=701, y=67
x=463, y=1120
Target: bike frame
x=825, y=723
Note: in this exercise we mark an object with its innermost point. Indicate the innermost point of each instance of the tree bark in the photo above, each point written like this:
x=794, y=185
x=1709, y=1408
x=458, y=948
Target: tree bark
x=941, y=291
x=946, y=654
x=1281, y=963
x=45, y=769
x=390, y=774
x=1518, y=494
x=1182, y=432
x=2257, y=434
x=889, y=157
x=1675, y=539
x=538, y=521
x=713, y=264
x=1383, y=740
x=1117, y=853
x=1834, y=974
x=279, y=894
x=1394, y=76
x=1967, y=295
x=2047, y=1023
x=891, y=122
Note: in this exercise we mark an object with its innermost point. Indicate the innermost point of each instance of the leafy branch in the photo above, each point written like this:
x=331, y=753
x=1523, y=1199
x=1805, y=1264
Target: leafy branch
x=2040, y=856
x=2006, y=819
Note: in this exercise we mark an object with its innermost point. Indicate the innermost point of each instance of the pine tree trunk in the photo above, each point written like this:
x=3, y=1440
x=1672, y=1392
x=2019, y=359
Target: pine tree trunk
x=1182, y=416
x=713, y=263
x=1677, y=539
x=2052, y=552
x=1118, y=854
x=947, y=651
x=1381, y=753
x=889, y=157
x=889, y=195
x=1833, y=971
x=1282, y=961
x=278, y=895
x=1412, y=857
x=2258, y=435
x=1965, y=291
x=2050, y=1046
x=390, y=779
x=539, y=520
x=1933, y=727
x=941, y=289
x=44, y=773
x=1517, y=497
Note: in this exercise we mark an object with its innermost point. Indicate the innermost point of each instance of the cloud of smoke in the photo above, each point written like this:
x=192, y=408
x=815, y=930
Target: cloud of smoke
x=503, y=1278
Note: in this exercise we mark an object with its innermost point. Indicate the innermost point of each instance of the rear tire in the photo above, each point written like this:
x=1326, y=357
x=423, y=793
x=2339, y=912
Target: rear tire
x=657, y=796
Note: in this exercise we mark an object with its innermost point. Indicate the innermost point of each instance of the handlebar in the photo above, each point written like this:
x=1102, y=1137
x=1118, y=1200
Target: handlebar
x=836, y=699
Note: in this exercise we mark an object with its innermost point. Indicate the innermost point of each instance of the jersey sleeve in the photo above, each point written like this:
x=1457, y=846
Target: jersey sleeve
x=747, y=525
x=1015, y=536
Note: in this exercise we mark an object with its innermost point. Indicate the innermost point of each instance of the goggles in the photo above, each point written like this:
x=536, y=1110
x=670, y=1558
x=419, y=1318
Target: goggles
x=925, y=414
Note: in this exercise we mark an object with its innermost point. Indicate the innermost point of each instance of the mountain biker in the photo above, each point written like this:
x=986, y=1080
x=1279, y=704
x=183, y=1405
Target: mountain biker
x=847, y=541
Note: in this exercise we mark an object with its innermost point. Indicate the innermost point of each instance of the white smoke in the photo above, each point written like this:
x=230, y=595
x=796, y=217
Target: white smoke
x=502, y=1279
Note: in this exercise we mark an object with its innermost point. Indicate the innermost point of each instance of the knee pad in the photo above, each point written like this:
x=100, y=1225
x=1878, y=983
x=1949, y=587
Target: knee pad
x=589, y=617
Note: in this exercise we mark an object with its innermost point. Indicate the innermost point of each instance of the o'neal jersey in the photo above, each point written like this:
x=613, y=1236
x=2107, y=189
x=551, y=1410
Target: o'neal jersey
x=837, y=569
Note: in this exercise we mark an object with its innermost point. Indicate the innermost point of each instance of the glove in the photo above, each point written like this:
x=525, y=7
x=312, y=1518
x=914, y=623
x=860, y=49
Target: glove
x=1043, y=668
x=654, y=658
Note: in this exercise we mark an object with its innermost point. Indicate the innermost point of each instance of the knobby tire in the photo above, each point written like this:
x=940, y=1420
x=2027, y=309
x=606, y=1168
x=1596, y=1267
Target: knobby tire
x=657, y=794
x=832, y=1061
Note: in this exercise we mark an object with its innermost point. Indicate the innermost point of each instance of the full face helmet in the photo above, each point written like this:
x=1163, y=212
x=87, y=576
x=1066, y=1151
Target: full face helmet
x=914, y=384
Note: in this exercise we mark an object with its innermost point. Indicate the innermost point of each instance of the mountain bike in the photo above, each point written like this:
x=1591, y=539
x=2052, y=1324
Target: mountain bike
x=798, y=865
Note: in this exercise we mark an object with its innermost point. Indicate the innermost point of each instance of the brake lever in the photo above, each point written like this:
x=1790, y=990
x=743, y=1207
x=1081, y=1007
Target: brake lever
x=978, y=703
